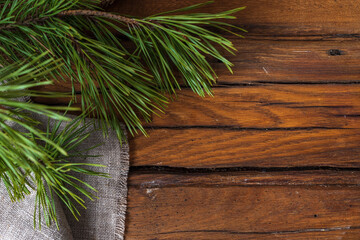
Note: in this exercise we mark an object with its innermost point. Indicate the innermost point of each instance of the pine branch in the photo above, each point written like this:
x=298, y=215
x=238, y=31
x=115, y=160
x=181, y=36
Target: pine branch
x=116, y=83
x=112, y=80
x=54, y=177
x=93, y=13
x=84, y=13
x=31, y=158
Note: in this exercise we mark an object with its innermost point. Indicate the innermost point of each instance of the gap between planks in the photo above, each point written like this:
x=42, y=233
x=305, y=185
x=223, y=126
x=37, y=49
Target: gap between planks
x=217, y=178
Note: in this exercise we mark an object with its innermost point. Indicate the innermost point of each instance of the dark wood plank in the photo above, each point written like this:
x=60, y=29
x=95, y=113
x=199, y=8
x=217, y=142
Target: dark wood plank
x=259, y=126
x=272, y=106
x=240, y=212
x=263, y=17
x=283, y=62
x=222, y=147
x=291, y=62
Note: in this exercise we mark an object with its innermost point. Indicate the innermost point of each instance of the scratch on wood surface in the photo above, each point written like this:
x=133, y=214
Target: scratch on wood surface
x=265, y=70
x=151, y=192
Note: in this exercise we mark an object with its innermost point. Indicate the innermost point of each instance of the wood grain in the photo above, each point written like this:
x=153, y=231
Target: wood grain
x=279, y=61
x=267, y=106
x=238, y=212
x=263, y=17
x=309, y=51
x=222, y=147
x=273, y=61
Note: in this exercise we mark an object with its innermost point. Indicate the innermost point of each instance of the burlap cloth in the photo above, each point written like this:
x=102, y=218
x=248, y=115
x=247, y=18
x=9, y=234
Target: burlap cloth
x=104, y=218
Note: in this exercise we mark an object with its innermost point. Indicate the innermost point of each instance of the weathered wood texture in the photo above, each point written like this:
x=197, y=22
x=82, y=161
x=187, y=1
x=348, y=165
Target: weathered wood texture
x=272, y=18
x=266, y=125
x=233, y=210
x=219, y=147
x=216, y=168
x=282, y=61
x=279, y=61
x=267, y=106
x=291, y=102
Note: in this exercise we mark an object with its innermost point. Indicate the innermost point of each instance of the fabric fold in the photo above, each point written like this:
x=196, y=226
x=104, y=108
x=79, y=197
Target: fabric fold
x=104, y=217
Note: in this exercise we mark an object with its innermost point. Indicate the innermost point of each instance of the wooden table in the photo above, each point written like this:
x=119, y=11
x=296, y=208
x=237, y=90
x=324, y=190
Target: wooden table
x=276, y=153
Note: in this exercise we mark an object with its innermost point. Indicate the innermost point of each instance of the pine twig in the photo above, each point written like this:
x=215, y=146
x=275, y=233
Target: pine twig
x=94, y=13
x=89, y=13
x=116, y=84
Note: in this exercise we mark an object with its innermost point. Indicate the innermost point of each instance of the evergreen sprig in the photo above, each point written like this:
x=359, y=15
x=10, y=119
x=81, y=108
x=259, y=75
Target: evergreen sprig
x=55, y=176
x=16, y=83
x=117, y=82
x=33, y=158
x=124, y=66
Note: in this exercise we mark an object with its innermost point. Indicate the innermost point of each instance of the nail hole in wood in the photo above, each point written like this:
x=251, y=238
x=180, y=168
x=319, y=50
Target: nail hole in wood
x=335, y=52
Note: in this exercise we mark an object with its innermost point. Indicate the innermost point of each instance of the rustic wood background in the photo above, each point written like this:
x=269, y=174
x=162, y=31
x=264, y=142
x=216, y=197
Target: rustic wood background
x=275, y=154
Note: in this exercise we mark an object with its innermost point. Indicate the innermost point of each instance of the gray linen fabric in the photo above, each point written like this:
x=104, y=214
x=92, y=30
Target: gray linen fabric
x=16, y=220
x=103, y=219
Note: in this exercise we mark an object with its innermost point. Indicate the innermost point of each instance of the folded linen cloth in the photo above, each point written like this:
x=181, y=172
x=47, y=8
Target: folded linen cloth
x=104, y=217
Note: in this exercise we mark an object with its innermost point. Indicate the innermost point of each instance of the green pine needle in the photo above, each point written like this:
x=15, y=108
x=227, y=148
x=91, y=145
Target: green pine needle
x=54, y=177
x=31, y=157
x=124, y=66
x=116, y=83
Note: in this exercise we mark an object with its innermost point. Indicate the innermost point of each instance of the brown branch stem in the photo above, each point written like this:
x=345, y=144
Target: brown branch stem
x=67, y=13
x=93, y=13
